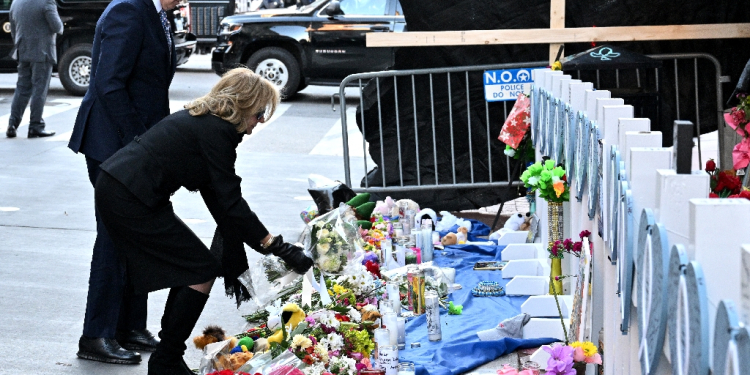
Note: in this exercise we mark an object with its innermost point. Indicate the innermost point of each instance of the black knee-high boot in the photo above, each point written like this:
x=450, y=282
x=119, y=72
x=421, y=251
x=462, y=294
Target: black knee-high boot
x=182, y=312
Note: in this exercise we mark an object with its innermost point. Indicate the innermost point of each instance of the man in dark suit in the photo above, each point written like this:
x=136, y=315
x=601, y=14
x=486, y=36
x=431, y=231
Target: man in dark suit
x=34, y=25
x=132, y=65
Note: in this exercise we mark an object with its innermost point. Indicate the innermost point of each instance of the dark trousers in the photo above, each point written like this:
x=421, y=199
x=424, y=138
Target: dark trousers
x=32, y=84
x=111, y=305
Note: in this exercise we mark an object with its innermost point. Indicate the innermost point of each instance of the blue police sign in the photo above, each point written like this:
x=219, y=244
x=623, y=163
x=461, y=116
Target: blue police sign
x=501, y=85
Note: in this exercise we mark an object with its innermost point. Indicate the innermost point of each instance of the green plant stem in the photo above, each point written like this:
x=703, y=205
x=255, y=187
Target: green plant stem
x=559, y=311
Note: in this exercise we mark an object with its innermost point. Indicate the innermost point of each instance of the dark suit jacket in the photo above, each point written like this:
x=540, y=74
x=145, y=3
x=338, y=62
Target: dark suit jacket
x=197, y=153
x=34, y=25
x=131, y=70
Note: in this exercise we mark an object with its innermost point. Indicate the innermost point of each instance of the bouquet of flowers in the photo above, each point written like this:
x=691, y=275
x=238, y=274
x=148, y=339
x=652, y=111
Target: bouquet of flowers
x=334, y=239
x=559, y=248
x=564, y=359
x=549, y=179
x=738, y=119
x=725, y=184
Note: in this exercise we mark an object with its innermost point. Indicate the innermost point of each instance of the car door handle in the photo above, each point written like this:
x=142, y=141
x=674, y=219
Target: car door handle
x=380, y=28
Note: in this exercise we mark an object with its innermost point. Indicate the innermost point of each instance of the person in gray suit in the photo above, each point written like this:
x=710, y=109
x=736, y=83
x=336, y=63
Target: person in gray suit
x=33, y=26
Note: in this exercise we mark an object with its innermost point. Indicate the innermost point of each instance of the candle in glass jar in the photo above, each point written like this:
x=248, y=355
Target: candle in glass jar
x=426, y=245
x=401, y=332
x=386, y=253
x=390, y=321
x=410, y=257
x=406, y=368
x=532, y=366
x=388, y=359
x=432, y=310
x=381, y=336
x=394, y=296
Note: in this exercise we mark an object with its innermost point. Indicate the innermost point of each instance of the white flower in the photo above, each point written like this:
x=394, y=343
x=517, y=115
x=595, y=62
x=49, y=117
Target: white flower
x=323, y=248
x=302, y=342
x=510, y=152
x=322, y=352
x=355, y=315
x=333, y=341
x=533, y=180
x=323, y=233
x=316, y=368
x=329, y=319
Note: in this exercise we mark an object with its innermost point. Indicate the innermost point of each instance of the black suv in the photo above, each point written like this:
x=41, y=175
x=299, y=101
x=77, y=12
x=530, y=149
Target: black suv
x=317, y=44
x=74, y=45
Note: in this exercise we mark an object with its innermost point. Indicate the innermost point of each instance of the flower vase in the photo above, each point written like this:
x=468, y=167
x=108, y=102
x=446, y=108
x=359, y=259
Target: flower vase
x=555, y=233
x=580, y=368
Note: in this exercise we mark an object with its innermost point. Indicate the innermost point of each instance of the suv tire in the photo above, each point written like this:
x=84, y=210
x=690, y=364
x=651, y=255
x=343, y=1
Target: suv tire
x=278, y=66
x=75, y=69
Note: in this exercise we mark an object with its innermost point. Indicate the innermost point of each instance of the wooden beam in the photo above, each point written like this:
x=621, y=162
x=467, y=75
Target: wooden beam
x=556, y=21
x=570, y=35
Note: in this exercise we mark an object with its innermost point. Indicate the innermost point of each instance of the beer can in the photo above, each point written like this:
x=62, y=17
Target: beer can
x=432, y=312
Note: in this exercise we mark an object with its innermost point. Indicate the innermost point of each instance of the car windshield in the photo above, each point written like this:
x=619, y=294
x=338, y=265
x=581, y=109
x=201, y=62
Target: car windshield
x=312, y=5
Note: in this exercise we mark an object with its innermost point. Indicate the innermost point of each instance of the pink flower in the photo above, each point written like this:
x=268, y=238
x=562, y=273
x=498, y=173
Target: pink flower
x=595, y=359
x=584, y=234
x=366, y=361
x=741, y=154
x=507, y=370
x=578, y=355
x=526, y=372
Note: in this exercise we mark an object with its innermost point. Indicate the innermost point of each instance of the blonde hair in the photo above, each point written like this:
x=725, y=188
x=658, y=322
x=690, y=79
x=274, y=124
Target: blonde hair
x=239, y=94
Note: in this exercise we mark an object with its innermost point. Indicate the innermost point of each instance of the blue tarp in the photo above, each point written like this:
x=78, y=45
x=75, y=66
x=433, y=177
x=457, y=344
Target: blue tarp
x=460, y=349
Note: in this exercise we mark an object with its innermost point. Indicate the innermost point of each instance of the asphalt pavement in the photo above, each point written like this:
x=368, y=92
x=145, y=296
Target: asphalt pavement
x=47, y=226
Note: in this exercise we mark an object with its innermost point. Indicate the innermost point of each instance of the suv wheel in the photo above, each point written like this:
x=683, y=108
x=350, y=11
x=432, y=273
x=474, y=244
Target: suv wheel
x=75, y=69
x=278, y=66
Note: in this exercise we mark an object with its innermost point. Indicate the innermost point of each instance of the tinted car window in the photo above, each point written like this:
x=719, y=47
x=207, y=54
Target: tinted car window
x=5, y=4
x=363, y=7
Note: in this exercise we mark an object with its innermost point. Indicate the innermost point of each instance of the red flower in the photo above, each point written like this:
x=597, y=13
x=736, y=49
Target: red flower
x=710, y=165
x=744, y=194
x=584, y=234
x=373, y=268
x=712, y=195
x=308, y=360
x=577, y=247
x=342, y=318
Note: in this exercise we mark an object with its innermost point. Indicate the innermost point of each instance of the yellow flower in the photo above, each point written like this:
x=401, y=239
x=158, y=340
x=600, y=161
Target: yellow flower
x=557, y=65
x=589, y=349
x=301, y=342
x=339, y=290
x=559, y=187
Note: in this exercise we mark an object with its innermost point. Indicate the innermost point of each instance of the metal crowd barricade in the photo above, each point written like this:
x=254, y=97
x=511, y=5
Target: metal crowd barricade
x=673, y=72
x=450, y=182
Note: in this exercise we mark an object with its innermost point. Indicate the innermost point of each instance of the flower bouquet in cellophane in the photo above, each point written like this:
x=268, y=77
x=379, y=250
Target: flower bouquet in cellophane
x=334, y=239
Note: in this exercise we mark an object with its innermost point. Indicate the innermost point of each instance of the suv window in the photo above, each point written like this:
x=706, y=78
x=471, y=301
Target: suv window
x=363, y=7
x=5, y=4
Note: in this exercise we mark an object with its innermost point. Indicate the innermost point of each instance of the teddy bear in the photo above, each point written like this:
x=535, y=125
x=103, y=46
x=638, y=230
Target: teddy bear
x=449, y=239
x=384, y=207
x=462, y=235
x=236, y=360
x=514, y=223
x=212, y=334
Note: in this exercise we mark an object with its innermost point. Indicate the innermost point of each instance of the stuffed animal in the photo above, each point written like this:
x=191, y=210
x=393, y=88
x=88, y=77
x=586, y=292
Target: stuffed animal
x=514, y=223
x=462, y=235
x=236, y=360
x=449, y=239
x=261, y=345
x=384, y=207
x=212, y=334
x=370, y=315
x=291, y=315
x=526, y=223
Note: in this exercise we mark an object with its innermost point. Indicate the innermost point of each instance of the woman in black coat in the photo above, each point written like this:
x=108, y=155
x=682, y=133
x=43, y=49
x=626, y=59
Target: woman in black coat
x=195, y=149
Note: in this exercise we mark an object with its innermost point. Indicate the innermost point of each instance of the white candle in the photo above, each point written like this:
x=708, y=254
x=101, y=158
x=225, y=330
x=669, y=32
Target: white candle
x=390, y=322
x=388, y=359
x=394, y=296
x=381, y=336
x=450, y=275
x=401, y=330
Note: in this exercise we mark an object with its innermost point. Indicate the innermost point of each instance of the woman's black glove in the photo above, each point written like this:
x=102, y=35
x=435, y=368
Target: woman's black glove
x=291, y=254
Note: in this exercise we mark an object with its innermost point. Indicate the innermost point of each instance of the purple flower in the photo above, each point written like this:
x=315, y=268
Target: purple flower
x=310, y=321
x=561, y=360
x=371, y=257
x=360, y=366
x=577, y=247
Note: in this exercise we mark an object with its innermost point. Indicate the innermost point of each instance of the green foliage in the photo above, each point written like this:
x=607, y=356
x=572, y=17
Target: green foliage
x=549, y=180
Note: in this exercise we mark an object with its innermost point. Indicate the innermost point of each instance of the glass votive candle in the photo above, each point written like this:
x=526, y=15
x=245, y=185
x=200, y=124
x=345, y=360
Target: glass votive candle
x=401, y=331
x=381, y=336
x=388, y=359
x=531, y=366
x=390, y=321
x=406, y=368
x=410, y=257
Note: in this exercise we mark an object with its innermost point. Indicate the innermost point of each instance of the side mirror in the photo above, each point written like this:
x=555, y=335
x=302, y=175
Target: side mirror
x=333, y=8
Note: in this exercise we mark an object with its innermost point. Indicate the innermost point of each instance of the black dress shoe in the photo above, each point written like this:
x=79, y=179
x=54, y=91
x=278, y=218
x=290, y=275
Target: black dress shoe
x=40, y=133
x=139, y=339
x=106, y=350
x=11, y=132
